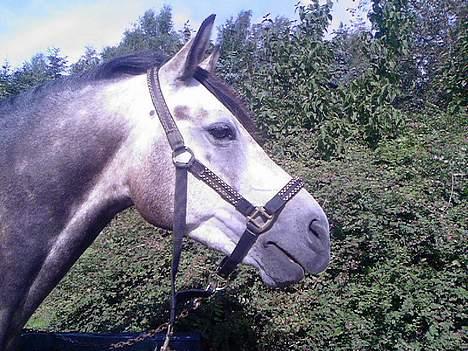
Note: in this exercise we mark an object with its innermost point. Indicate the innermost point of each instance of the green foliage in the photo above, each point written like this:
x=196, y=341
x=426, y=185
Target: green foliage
x=32, y=73
x=56, y=64
x=391, y=103
x=286, y=69
x=452, y=80
x=287, y=65
x=234, y=36
x=39, y=69
x=5, y=79
x=151, y=32
x=89, y=59
x=186, y=32
x=396, y=280
x=434, y=44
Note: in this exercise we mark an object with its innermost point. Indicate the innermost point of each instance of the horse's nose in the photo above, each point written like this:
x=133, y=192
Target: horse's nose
x=319, y=227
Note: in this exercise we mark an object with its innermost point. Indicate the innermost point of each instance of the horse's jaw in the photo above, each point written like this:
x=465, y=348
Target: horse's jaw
x=278, y=261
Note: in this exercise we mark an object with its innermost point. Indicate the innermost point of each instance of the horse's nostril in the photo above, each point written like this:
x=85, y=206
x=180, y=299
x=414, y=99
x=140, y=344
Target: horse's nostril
x=313, y=229
x=318, y=228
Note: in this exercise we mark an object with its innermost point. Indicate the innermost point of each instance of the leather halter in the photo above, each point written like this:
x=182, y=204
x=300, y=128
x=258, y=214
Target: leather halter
x=259, y=219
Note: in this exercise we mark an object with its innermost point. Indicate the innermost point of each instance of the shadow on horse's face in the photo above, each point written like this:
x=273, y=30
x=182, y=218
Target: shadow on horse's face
x=298, y=242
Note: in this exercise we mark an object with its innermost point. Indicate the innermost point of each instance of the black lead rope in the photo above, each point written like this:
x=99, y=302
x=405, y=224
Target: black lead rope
x=259, y=218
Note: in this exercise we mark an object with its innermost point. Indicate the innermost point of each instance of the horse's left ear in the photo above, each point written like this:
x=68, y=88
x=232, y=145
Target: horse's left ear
x=186, y=61
x=199, y=47
x=209, y=63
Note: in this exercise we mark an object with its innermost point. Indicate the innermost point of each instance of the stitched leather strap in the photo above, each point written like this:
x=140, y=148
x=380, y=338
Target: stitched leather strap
x=249, y=237
x=175, y=139
x=286, y=193
x=224, y=190
x=176, y=142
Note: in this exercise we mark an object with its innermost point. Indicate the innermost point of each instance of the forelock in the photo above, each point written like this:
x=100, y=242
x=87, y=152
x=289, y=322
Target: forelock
x=229, y=98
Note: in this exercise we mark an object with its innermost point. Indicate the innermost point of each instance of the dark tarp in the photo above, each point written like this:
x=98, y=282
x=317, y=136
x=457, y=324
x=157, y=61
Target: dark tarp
x=101, y=342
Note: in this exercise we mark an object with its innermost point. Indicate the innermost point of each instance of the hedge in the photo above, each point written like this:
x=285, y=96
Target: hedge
x=396, y=280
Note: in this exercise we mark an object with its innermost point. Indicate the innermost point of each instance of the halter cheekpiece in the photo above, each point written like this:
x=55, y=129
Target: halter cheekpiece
x=259, y=219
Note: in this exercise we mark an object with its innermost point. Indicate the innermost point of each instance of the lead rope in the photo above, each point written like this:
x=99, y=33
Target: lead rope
x=182, y=158
x=179, y=227
x=151, y=333
x=176, y=141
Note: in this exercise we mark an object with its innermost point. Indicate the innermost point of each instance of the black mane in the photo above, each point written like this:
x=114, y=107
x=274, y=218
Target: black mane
x=133, y=64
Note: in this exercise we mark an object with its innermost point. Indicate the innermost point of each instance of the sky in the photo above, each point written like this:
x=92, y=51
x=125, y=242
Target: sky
x=28, y=27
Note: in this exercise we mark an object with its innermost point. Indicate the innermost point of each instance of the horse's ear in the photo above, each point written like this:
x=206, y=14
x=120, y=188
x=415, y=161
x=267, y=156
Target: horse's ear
x=186, y=61
x=199, y=46
x=209, y=63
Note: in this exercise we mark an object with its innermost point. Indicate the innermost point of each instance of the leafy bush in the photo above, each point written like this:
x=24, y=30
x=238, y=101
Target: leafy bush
x=396, y=280
x=286, y=69
x=396, y=195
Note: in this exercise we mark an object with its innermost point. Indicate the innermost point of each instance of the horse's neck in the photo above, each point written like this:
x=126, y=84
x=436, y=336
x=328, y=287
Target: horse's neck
x=64, y=181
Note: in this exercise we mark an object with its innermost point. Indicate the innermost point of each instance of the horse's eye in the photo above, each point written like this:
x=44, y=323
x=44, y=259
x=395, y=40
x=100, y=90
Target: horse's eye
x=222, y=131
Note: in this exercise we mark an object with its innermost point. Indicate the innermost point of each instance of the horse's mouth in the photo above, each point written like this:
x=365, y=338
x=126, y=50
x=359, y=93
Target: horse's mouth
x=287, y=271
x=287, y=254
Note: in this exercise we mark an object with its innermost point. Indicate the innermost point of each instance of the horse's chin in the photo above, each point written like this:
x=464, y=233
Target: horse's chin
x=287, y=275
x=277, y=281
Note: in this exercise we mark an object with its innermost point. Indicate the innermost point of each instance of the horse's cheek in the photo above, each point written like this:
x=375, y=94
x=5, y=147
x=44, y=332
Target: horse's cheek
x=153, y=202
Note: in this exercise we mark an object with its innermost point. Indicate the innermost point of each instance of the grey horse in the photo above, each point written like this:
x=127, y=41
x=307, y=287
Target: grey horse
x=76, y=151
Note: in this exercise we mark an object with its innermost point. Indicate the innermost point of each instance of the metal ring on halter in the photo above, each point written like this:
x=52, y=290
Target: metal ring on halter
x=259, y=221
x=183, y=157
x=216, y=283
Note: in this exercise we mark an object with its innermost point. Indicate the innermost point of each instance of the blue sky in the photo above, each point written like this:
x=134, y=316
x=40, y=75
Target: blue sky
x=31, y=26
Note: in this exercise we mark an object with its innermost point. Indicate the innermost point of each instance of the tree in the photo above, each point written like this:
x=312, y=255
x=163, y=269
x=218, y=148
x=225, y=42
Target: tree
x=186, y=32
x=88, y=60
x=438, y=35
x=5, y=80
x=151, y=32
x=423, y=37
x=39, y=69
x=237, y=48
x=234, y=33
x=32, y=73
x=56, y=64
x=451, y=80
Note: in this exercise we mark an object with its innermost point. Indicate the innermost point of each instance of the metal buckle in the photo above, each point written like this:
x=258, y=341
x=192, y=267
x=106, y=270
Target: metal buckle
x=216, y=283
x=260, y=220
x=183, y=157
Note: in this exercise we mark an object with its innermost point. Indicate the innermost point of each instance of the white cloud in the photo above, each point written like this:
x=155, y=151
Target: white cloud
x=99, y=24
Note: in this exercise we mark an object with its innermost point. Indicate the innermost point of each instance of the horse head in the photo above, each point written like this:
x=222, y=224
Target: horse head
x=216, y=127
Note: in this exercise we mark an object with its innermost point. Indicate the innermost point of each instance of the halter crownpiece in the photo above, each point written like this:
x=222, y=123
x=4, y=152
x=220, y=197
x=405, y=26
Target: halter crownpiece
x=259, y=219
